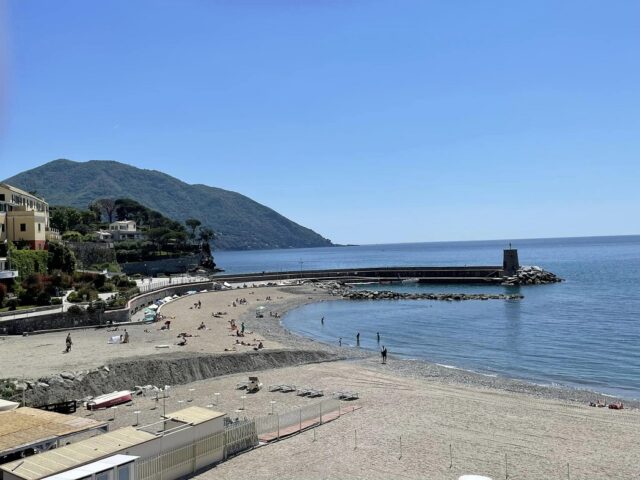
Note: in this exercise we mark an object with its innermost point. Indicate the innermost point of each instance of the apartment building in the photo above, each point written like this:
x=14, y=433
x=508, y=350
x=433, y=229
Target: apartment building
x=124, y=230
x=24, y=218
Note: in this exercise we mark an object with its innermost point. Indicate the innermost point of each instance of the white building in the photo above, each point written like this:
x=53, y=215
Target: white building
x=124, y=230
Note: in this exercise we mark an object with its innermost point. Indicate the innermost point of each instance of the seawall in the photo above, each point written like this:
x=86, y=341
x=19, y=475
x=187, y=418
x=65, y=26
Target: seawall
x=170, y=369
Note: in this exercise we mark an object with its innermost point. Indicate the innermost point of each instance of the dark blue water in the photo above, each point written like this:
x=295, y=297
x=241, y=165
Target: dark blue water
x=584, y=332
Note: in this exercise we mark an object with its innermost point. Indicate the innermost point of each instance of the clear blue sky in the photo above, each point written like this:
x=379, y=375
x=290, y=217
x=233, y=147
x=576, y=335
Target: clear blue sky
x=368, y=121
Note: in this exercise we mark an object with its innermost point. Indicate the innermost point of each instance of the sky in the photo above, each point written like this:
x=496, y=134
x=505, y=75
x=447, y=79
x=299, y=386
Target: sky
x=367, y=121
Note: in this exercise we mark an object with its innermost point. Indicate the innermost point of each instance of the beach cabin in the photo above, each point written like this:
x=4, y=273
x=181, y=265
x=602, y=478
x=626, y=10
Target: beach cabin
x=25, y=431
x=124, y=441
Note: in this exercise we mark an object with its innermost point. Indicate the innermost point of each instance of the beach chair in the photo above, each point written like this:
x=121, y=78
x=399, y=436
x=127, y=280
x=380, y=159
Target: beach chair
x=242, y=385
x=275, y=388
x=346, y=395
x=287, y=388
x=315, y=393
x=302, y=392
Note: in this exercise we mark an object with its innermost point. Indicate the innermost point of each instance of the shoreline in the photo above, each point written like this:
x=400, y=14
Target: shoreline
x=425, y=369
x=277, y=336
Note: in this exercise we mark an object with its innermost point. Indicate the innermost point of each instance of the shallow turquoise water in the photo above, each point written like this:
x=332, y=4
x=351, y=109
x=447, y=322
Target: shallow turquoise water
x=584, y=332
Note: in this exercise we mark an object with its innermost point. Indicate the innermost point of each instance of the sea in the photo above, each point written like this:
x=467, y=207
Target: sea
x=582, y=333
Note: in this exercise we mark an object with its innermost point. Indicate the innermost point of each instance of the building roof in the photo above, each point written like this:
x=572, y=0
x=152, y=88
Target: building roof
x=23, y=427
x=20, y=191
x=194, y=415
x=65, y=458
x=94, y=467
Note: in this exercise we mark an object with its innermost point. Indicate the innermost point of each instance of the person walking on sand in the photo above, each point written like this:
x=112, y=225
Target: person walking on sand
x=383, y=353
x=340, y=341
x=358, y=339
x=68, y=343
x=126, y=336
x=242, y=327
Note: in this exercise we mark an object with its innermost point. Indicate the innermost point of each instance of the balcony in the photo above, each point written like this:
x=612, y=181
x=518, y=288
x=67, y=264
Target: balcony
x=8, y=274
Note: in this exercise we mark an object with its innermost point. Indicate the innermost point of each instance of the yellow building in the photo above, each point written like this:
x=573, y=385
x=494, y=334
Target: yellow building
x=24, y=218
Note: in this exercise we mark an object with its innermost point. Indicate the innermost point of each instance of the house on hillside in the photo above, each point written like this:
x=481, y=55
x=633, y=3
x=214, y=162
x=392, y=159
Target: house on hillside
x=103, y=236
x=125, y=230
x=24, y=218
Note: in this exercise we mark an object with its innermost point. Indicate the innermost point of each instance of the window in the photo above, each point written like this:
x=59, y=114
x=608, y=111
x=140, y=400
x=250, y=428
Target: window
x=39, y=227
x=1, y=197
x=124, y=472
x=23, y=227
x=107, y=475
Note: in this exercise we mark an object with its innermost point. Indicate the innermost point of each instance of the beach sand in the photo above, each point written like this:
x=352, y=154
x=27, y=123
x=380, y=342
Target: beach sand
x=451, y=422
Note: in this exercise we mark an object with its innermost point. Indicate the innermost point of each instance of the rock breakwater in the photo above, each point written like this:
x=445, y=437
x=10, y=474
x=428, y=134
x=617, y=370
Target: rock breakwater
x=447, y=297
x=531, y=276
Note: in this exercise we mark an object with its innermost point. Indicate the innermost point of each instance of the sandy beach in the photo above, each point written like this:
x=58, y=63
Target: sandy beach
x=451, y=422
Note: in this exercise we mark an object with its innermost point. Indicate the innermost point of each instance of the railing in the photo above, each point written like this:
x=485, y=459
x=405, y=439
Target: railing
x=172, y=281
x=271, y=427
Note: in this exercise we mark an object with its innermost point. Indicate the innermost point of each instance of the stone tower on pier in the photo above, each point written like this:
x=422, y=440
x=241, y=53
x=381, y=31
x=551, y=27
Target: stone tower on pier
x=510, y=263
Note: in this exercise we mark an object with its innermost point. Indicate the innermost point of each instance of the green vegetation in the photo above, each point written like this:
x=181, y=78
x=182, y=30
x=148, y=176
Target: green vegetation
x=28, y=262
x=240, y=222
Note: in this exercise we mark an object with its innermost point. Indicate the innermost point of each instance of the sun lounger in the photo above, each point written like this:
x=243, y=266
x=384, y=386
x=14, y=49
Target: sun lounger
x=302, y=392
x=275, y=388
x=346, y=395
x=287, y=388
x=241, y=385
x=315, y=393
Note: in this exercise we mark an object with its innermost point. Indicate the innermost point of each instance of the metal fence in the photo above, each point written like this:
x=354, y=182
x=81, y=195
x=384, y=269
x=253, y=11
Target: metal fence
x=279, y=425
x=178, y=462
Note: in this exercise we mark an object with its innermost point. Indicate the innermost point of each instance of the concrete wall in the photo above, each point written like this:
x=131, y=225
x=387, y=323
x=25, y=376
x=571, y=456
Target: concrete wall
x=59, y=320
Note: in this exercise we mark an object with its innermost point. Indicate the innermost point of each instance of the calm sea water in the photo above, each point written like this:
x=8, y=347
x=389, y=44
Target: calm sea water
x=584, y=332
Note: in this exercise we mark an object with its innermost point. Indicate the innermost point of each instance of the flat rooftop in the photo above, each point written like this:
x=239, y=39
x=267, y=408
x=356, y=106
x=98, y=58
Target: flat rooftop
x=24, y=427
x=194, y=415
x=76, y=454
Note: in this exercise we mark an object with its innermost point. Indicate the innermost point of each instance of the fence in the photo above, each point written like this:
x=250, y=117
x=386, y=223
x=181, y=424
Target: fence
x=172, y=281
x=271, y=427
x=182, y=461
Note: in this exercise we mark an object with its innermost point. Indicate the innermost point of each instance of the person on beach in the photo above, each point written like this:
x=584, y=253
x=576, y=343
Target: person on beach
x=322, y=321
x=358, y=339
x=378, y=335
x=68, y=342
x=340, y=342
x=126, y=336
x=383, y=353
x=242, y=327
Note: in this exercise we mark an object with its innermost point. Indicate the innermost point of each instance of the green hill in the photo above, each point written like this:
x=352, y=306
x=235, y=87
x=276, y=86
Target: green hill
x=239, y=222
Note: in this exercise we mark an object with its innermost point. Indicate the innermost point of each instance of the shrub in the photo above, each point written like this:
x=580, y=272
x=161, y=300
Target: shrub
x=13, y=303
x=75, y=310
x=3, y=292
x=73, y=297
x=43, y=299
x=56, y=301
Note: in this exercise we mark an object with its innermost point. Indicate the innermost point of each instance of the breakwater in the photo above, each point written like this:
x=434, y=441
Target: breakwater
x=448, y=297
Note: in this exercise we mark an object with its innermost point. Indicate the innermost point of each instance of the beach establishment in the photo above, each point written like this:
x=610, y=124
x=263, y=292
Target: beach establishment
x=184, y=442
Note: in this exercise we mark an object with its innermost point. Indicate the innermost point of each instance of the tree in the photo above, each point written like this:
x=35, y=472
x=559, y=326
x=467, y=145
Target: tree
x=108, y=206
x=207, y=235
x=61, y=258
x=192, y=223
